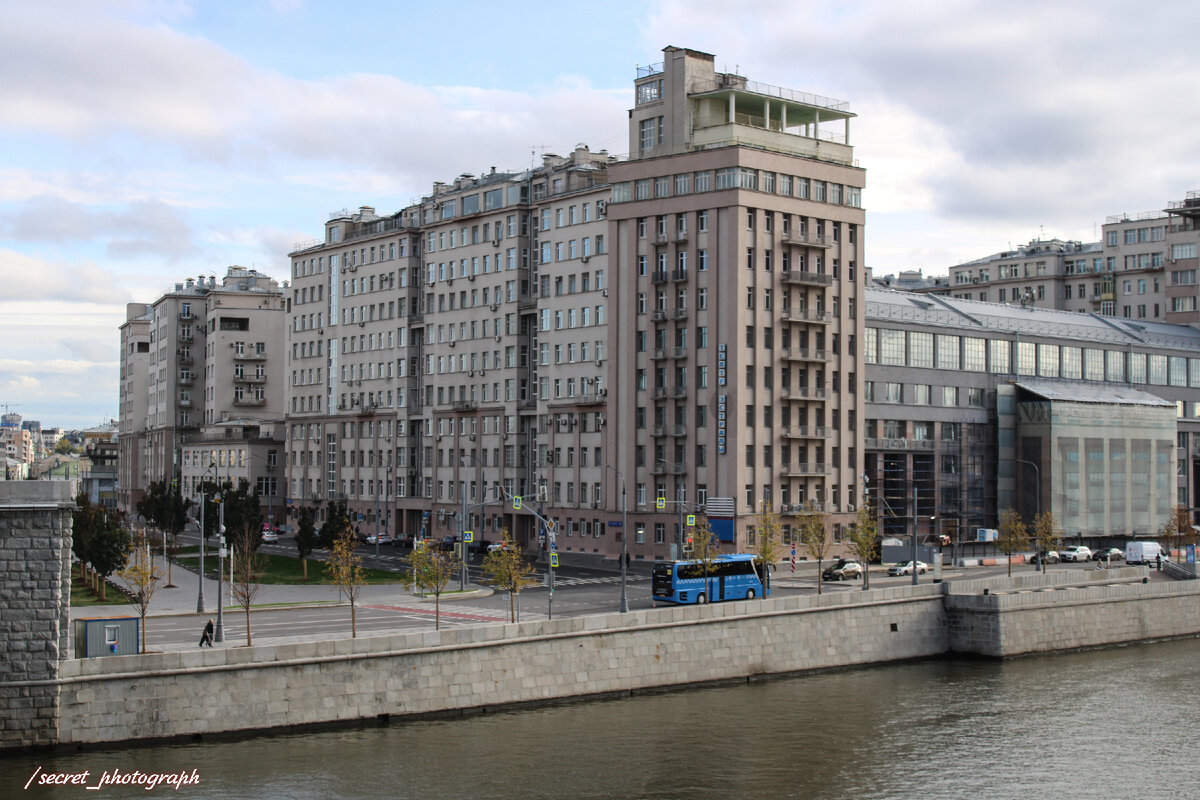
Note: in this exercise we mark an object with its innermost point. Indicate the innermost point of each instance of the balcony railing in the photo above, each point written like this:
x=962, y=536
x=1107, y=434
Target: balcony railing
x=805, y=354
x=659, y=276
x=804, y=315
x=805, y=468
x=803, y=393
x=807, y=278
x=249, y=401
x=249, y=378
x=807, y=432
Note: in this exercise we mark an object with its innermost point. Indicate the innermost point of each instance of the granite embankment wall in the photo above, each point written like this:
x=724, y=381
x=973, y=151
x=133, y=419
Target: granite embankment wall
x=175, y=694
x=35, y=591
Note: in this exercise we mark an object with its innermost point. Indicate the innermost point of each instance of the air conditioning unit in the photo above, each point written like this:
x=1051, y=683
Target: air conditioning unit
x=604, y=292
x=497, y=337
x=595, y=505
x=431, y=281
x=975, y=280
x=602, y=393
x=452, y=344
x=471, y=277
x=585, y=259
x=601, y=206
x=495, y=306
x=598, y=360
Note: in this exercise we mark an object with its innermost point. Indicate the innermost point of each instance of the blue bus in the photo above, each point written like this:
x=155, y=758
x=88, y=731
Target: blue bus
x=729, y=577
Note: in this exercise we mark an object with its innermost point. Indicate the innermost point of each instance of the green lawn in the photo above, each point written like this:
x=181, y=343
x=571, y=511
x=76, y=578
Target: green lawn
x=82, y=595
x=286, y=570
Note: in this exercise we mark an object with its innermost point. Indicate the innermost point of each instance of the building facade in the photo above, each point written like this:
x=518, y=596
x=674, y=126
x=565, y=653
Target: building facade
x=974, y=408
x=667, y=334
x=1143, y=268
x=205, y=352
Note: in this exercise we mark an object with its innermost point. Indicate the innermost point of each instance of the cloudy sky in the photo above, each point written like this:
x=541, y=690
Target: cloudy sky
x=143, y=142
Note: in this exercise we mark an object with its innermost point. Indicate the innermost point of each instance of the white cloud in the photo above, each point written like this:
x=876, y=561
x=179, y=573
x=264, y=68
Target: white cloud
x=27, y=277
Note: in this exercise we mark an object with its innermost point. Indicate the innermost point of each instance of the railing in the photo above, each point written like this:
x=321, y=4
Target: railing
x=771, y=91
x=249, y=378
x=248, y=356
x=659, y=276
x=679, y=275
x=249, y=401
x=805, y=354
x=805, y=468
x=660, y=353
x=807, y=278
x=649, y=69
x=804, y=315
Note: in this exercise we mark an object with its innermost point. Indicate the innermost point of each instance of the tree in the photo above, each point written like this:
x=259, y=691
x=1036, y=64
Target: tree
x=64, y=447
x=141, y=577
x=769, y=544
x=306, y=537
x=861, y=540
x=248, y=568
x=344, y=568
x=1013, y=536
x=507, y=569
x=815, y=536
x=1178, y=527
x=165, y=506
x=337, y=519
x=432, y=570
x=704, y=551
x=104, y=540
x=1047, y=535
x=242, y=509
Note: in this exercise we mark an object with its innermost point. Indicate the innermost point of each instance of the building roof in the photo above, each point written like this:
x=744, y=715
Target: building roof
x=976, y=316
x=1080, y=392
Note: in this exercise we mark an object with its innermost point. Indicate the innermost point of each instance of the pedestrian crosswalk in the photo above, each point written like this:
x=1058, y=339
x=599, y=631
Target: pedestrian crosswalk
x=613, y=580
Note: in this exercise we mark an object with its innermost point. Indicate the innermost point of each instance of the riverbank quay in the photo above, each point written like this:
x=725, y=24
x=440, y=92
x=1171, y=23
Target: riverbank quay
x=486, y=668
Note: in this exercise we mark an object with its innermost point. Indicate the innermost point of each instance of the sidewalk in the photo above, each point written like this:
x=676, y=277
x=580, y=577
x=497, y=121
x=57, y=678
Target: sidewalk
x=182, y=599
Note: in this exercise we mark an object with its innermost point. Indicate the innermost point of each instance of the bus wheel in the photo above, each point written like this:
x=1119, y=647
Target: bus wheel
x=749, y=594
x=701, y=599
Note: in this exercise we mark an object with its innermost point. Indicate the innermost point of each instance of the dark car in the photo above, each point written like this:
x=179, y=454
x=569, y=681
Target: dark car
x=404, y=540
x=448, y=543
x=842, y=569
x=1051, y=557
x=1108, y=554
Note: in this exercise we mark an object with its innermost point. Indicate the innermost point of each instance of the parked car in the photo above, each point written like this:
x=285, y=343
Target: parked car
x=906, y=568
x=1144, y=552
x=1051, y=557
x=404, y=540
x=382, y=538
x=269, y=534
x=499, y=546
x=843, y=569
x=1108, y=554
x=448, y=543
x=1076, y=552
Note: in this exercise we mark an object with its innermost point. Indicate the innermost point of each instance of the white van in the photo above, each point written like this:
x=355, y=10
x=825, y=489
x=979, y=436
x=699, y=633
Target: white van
x=1143, y=552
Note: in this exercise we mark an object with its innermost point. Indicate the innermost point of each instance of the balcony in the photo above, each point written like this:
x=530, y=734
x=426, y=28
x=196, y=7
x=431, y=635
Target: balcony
x=679, y=392
x=659, y=315
x=185, y=403
x=802, y=278
x=899, y=444
x=186, y=316
x=805, y=468
x=187, y=337
x=660, y=430
x=807, y=432
x=805, y=354
x=248, y=356
x=679, y=314
x=803, y=393
x=679, y=275
x=185, y=360
x=660, y=238
x=186, y=380
x=806, y=240
x=252, y=379
x=660, y=353
x=465, y=405
x=249, y=401
x=526, y=302
x=659, y=276
x=679, y=431
x=681, y=237
x=660, y=393
x=804, y=315
x=679, y=352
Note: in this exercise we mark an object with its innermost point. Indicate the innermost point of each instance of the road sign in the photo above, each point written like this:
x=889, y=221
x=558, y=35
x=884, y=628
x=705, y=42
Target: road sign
x=661, y=503
x=691, y=519
x=516, y=502
x=615, y=523
x=553, y=546
x=550, y=527
x=468, y=536
x=554, y=559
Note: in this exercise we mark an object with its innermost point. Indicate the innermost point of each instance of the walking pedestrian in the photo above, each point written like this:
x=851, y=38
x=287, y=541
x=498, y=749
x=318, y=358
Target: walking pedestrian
x=206, y=638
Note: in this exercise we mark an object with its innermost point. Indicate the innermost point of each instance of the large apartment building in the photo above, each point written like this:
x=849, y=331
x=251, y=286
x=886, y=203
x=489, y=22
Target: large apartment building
x=202, y=353
x=670, y=333
x=1143, y=268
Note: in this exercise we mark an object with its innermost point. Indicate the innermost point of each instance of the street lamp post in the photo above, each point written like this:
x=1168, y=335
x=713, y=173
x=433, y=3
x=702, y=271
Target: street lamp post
x=679, y=501
x=200, y=592
x=624, y=538
x=1037, y=496
x=220, y=633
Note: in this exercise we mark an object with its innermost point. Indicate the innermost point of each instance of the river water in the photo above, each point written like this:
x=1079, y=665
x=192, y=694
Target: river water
x=1117, y=723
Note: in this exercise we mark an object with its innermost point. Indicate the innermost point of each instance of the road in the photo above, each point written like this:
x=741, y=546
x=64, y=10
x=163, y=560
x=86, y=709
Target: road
x=578, y=592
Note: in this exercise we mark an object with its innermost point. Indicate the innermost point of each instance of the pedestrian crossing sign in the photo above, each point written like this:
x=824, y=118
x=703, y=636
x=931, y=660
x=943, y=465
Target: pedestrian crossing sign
x=468, y=536
x=661, y=503
x=516, y=503
x=554, y=559
x=691, y=520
